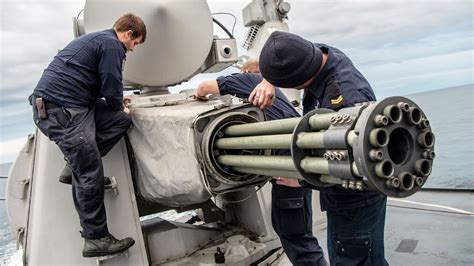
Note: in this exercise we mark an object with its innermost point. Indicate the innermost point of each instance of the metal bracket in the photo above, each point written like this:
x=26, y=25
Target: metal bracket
x=20, y=233
x=99, y=260
x=31, y=138
x=113, y=185
x=299, y=154
x=19, y=190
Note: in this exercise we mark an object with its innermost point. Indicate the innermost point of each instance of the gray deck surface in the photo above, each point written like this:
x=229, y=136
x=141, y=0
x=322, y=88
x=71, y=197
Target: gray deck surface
x=417, y=234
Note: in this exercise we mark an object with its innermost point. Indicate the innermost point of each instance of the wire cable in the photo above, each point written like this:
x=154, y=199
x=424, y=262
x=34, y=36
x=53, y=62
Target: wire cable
x=223, y=27
x=78, y=14
x=230, y=14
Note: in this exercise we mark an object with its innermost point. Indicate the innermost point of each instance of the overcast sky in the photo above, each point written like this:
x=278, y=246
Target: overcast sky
x=402, y=47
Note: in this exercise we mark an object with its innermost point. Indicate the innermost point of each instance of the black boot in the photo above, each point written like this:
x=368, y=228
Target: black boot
x=107, y=245
x=66, y=176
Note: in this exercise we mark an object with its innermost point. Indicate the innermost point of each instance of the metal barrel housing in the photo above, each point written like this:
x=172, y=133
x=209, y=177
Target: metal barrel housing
x=386, y=146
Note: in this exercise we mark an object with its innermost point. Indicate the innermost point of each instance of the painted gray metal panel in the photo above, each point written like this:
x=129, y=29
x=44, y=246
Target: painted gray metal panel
x=53, y=229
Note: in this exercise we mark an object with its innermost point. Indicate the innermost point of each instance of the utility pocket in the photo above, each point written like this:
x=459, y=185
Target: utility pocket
x=59, y=116
x=292, y=216
x=353, y=250
x=73, y=140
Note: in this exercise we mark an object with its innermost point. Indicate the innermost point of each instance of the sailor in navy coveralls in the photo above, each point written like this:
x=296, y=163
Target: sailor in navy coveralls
x=355, y=234
x=78, y=103
x=292, y=214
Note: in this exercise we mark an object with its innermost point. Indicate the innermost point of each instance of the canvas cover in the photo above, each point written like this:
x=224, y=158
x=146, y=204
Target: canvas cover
x=167, y=170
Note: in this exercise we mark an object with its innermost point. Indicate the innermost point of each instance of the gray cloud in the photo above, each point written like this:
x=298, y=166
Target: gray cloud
x=387, y=30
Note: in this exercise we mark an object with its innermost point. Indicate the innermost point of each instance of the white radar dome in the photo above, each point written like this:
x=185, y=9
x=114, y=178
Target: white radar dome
x=179, y=37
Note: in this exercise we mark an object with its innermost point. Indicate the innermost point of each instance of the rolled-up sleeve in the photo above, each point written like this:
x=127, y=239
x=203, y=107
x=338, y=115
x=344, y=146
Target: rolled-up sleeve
x=110, y=71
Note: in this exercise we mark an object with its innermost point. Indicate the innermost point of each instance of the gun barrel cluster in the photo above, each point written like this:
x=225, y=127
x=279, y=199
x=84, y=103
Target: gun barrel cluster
x=386, y=146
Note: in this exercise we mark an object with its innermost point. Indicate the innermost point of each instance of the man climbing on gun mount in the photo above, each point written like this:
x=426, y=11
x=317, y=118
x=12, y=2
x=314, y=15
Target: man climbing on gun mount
x=356, y=220
x=78, y=103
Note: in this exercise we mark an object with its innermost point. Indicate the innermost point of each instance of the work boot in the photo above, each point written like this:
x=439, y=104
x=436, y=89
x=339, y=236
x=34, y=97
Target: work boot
x=107, y=245
x=66, y=176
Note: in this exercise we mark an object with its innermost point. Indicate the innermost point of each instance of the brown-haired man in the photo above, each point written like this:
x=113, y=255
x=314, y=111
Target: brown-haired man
x=250, y=66
x=78, y=104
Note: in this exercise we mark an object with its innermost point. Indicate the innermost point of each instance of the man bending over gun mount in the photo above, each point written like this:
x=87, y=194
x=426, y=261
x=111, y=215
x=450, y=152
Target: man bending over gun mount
x=291, y=207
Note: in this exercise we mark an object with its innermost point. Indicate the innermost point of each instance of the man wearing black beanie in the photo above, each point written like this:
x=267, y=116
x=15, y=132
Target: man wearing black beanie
x=356, y=219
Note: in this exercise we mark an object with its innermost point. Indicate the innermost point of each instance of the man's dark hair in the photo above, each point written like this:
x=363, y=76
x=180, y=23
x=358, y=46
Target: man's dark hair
x=131, y=22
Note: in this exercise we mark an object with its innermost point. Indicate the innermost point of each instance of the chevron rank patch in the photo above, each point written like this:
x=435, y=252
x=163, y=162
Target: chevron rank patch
x=337, y=101
x=334, y=93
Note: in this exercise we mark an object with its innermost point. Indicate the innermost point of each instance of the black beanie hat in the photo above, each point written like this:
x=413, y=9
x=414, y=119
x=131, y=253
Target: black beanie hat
x=288, y=61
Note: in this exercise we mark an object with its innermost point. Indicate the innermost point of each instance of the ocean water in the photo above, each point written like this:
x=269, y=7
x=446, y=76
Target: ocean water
x=450, y=112
x=7, y=238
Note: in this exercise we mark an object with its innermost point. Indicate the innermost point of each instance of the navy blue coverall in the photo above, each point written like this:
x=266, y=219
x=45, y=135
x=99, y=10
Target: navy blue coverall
x=356, y=219
x=292, y=216
x=83, y=124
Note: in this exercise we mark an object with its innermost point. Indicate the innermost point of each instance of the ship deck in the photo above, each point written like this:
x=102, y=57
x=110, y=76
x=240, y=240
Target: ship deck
x=432, y=227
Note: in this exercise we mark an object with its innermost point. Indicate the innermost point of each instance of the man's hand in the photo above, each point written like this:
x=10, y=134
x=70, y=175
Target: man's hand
x=263, y=95
x=200, y=98
x=289, y=182
x=126, y=110
x=126, y=102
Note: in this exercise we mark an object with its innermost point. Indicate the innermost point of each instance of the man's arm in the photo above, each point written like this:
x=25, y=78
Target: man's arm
x=289, y=182
x=206, y=87
x=110, y=71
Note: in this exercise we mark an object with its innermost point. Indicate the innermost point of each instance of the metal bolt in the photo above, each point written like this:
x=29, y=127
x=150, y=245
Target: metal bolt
x=419, y=181
x=404, y=106
x=343, y=156
x=381, y=120
x=344, y=185
x=351, y=184
x=376, y=155
x=331, y=156
x=429, y=154
x=424, y=124
x=395, y=182
x=359, y=185
x=340, y=156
